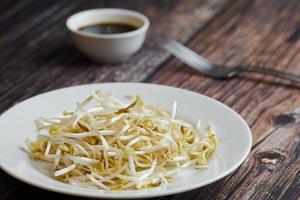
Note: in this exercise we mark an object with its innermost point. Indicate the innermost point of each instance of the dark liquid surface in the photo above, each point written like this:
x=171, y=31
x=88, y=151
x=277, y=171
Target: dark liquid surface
x=108, y=28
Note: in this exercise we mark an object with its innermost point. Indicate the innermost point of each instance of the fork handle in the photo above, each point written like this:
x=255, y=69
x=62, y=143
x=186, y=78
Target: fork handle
x=268, y=71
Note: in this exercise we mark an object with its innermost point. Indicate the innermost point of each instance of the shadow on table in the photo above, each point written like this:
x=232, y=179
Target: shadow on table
x=252, y=77
x=64, y=53
x=270, y=81
x=15, y=189
x=35, y=193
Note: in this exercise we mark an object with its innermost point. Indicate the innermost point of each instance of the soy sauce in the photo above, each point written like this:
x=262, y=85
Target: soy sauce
x=108, y=28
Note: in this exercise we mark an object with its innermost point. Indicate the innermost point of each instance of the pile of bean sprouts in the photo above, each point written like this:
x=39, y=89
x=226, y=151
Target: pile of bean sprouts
x=111, y=145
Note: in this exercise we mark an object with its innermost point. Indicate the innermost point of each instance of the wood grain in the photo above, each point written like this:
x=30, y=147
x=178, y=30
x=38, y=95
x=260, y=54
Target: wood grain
x=252, y=33
x=44, y=66
x=37, y=55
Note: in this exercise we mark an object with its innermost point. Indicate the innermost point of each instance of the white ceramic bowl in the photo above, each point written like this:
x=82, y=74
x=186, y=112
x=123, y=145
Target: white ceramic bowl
x=109, y=48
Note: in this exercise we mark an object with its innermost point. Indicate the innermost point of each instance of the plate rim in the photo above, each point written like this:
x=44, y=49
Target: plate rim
x=132, y=195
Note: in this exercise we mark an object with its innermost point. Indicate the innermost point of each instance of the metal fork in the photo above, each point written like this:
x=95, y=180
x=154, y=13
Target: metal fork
x=205, y=66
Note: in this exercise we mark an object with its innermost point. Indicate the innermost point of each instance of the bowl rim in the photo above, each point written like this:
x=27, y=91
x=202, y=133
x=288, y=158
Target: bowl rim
x=116, y=11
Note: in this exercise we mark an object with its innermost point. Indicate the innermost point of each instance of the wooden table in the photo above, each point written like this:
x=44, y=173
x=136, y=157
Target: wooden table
x=37, y=55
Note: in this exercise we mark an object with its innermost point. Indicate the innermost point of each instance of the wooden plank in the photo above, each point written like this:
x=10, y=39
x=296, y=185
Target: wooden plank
x=23, y=17
x=252, y=33
x=50, y=60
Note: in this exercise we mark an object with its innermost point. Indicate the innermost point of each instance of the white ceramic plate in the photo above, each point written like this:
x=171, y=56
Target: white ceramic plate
x=17, y=124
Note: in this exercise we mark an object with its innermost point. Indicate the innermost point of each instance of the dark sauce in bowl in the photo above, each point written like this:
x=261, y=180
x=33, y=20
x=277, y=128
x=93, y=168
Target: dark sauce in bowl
x=108, y=28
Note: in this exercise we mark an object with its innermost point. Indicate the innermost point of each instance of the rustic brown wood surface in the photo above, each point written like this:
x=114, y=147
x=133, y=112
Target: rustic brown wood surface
x=37, y=55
